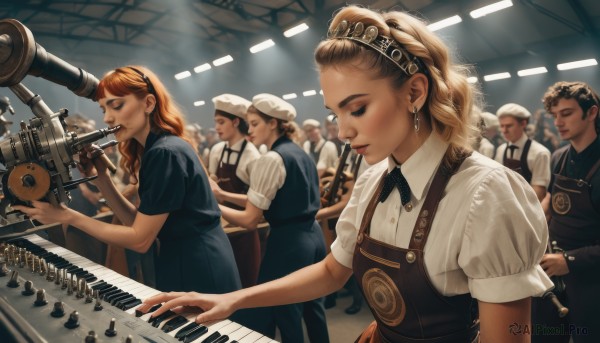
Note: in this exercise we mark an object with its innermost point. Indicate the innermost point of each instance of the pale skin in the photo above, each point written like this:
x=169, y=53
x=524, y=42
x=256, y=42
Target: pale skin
x=377, y=120
x=568, y=119
x=138, y=231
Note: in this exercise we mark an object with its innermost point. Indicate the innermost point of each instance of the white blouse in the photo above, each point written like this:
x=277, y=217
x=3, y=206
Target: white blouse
x=538, y=160
x=249, y=155
x=488, y=235
x=266, y=178
x=328, y=156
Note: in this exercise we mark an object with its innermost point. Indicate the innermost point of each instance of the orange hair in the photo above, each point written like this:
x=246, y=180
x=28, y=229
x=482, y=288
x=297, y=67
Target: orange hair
x=166, y=116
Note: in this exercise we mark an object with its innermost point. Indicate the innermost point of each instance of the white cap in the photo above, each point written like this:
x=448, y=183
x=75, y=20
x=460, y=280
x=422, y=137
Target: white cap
x=274, y=106
x=232, y=104
x=311, y=122
x=513, y=110
x=490, y=120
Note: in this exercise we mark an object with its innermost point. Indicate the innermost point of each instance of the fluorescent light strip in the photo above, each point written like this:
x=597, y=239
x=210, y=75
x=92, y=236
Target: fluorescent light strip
x=577, y=64
x=199, y=103
x=321, y=92
x=485, y=10
x=183, y=75
x=438, y=25
x=532, y=71
x=499, y=76
x=222, y=60
x=472, y=79
x=289, y=96
x=202, y=67
x=309, y=92
x=295, y=30
x=262, y=46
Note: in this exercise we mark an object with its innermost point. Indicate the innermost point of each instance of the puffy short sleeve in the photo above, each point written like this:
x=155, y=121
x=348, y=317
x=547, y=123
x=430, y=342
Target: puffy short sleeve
x=163, y=181
x=266, y=178
x=505, y=237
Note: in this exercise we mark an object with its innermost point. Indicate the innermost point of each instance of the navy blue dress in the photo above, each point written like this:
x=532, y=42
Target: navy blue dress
x=194, y=252
x=295, y=241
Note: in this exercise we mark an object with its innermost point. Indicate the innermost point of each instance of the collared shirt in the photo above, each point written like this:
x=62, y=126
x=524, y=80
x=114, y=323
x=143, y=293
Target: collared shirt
x=266, y=178
x=249, y=155
x=475, y=245
x=538, y=160
x=328, y=156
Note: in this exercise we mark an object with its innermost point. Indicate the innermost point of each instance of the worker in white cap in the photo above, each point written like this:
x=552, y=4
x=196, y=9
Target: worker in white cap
x=229, y=164
x=284, y=187
x=490, y=129
x=521, y=154
x=323, y=152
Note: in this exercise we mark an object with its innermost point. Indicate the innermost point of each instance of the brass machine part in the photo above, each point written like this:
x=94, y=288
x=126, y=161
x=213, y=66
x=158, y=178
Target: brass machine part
x=29, y=181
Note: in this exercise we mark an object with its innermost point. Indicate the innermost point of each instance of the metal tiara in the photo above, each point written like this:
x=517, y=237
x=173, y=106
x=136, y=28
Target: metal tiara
x=386, y=46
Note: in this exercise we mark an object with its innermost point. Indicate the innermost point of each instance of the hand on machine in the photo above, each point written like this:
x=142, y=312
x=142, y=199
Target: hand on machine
x=38, y=158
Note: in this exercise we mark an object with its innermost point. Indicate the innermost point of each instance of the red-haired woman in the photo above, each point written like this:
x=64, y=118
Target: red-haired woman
x=177, y=205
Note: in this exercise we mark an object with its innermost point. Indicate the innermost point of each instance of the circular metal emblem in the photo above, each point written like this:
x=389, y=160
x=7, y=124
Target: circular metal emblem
x=561, y=203
x=384, y=297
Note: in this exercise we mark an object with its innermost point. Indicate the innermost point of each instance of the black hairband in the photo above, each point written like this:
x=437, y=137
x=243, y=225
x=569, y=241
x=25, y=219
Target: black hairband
x=146, y=80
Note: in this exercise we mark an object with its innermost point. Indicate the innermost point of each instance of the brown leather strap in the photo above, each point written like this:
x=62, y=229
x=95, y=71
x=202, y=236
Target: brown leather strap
x=595, y=167
x=432, y=200
x=366, y=220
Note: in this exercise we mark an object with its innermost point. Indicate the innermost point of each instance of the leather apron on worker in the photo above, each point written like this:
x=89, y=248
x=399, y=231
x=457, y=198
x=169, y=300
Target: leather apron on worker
x=575, y=224
x=520, y=166
x=245, y=244
x=406, y=306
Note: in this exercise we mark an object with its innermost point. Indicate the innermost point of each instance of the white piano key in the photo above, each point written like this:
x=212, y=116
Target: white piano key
x=252, y=337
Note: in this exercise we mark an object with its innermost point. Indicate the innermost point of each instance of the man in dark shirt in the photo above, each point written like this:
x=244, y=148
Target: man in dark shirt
x=574, y=210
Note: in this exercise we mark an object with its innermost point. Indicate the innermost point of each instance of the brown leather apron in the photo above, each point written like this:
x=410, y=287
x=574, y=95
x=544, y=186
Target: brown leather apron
x=406, y=306
x=520, y=166
x=245, y=244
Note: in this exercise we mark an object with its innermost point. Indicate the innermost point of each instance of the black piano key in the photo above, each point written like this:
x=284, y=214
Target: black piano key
x=187, y=329
x=103, y=291
x=211, y=338
x=155, y=321
x=99, y=285
x=131, y=304
x=89, y=278
x=113, y=300
x=174, y=323
x=222, y=339
x=152, y=309
x=111, y=294
x=116, y=300
x=195, y=333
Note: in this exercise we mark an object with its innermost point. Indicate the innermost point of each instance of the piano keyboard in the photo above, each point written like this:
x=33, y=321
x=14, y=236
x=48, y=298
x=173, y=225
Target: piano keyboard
x=120, y=297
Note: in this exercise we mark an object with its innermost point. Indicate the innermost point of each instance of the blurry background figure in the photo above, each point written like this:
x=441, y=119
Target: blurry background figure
x=5, y=123
x=489, y=127
x=522, y=154
x=297, y=137
x=210, y=139
x=323, y=152
x=194, y=132
x=543, y=131
x=492, y=129
x=331, y=133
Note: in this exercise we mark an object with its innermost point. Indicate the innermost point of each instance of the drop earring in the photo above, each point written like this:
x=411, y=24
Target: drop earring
x=416, y=119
